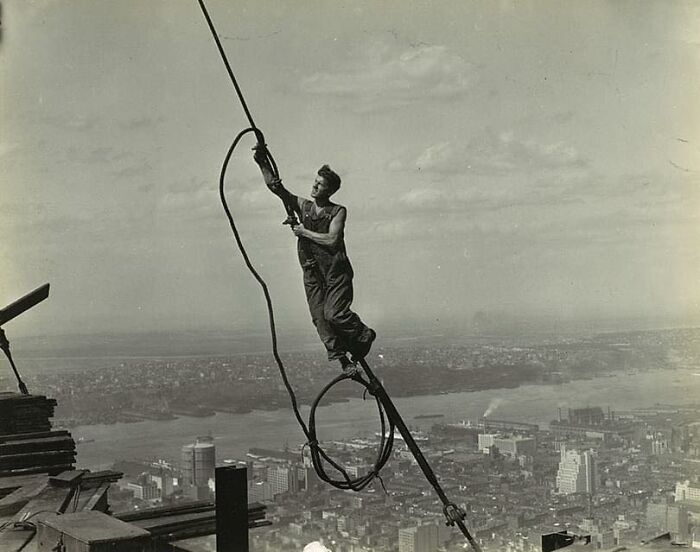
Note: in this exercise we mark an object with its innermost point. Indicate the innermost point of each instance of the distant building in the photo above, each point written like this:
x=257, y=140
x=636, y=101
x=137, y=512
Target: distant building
x=591, y=416
x=259, y=491
x=659, y=447
x=668, y=518
x=165, y=483
x=604, y=539
x=577, y=472
x=512, y=446
x=283, y=479
x=308, y=479
x=419, y=538
x=358, y=470
x=144, y=488
x=592, y=423
x=686, y=491
x=486, y=441
x=198, y=462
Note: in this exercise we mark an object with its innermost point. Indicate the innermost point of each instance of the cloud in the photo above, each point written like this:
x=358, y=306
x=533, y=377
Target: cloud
x=493, y=155
x=36, y=8
x=386, y=77
x=135, y=168
x=438, y=158
x=475, y=198
x=195, y=199
x=142, y=122
x=7, y=148
x=422, y=197
x=100, y=155
x=65, y=121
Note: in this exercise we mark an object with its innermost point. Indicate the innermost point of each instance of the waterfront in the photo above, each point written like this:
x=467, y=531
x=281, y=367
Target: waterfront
x=236, y=433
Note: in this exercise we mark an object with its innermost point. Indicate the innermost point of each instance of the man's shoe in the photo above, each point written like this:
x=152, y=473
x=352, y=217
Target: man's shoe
x=349, y=367
x=362, y=348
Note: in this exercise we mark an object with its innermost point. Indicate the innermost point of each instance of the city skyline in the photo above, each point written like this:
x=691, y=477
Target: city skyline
x=530, y=161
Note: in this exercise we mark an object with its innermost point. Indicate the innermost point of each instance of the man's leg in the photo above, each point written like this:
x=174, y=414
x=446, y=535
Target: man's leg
x=315, y=296
x=346, y=323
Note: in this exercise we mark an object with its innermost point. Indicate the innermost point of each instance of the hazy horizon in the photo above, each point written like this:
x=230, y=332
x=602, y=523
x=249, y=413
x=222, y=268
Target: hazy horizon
x=228, y=342
x=535, y=161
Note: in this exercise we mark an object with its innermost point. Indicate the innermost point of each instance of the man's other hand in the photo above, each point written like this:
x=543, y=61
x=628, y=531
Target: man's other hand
x=298, y=230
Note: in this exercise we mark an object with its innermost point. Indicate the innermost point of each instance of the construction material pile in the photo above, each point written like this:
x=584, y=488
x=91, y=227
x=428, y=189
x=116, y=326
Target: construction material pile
x=27, y=443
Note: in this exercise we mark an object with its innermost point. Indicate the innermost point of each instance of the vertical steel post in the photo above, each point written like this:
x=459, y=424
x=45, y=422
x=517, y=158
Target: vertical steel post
x=231, y=509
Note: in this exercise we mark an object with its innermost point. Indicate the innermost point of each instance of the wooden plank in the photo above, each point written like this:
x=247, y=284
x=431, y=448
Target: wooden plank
x=94, y=498
x=44, y=458
x=13, y=540
x=13, y=482
x=43, y=506
x=52, y=469
x=34, y=435
x=67, y=478
x=12, y=503
x=36, y=445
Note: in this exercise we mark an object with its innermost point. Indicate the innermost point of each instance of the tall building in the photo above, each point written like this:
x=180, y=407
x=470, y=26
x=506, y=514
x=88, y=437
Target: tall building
x=259, y=491
x=283, y=479
x=164, y=481
x=198, y=462
x=144, y=491
x=485, y=441
x=419, y=538
x=671, y=518
x=144, y=488
x=577, y=472
x=686, y=491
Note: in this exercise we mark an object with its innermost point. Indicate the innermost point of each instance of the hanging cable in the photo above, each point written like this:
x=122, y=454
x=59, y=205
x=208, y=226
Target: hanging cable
x=319, y=457
x=454, y=514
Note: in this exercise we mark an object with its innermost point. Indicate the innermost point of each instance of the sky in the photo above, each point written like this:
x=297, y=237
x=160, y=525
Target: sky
x=532, y=160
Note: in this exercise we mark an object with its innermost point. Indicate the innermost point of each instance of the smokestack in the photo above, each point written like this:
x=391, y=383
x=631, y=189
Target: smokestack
x=559, y=409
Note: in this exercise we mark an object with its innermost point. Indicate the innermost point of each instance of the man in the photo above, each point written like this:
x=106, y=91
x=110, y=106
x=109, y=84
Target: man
x=327, y=270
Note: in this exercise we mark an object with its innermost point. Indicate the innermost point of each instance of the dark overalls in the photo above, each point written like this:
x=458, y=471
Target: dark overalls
x=328, y=284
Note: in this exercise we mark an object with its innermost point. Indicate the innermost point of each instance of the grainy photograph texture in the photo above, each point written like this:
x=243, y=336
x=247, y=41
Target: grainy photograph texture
x=394, y=276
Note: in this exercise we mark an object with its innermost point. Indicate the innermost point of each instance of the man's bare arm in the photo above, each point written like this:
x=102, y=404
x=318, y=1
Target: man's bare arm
x=274, y=184
x=335, y=231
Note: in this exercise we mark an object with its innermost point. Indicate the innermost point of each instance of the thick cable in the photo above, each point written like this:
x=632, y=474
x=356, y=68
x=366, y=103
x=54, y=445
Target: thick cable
x=226, y=63
x=318, y=455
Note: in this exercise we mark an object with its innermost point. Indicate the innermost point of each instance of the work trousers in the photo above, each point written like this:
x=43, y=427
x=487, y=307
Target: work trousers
x=329, y=294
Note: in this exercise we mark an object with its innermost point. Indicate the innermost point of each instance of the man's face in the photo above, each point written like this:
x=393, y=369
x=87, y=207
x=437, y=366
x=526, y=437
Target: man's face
x=320, y=188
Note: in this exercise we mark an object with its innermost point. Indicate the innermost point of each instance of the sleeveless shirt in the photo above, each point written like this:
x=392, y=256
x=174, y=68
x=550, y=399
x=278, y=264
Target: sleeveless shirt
x=312, y=254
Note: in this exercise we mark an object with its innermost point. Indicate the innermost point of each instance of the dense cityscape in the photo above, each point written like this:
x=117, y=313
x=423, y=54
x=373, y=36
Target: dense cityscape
x=616, y=476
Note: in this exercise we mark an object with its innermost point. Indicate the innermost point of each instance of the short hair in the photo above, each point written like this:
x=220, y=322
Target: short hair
x=330, y=176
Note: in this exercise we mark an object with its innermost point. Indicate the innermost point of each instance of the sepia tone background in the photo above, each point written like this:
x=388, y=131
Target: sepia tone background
x=534, y=164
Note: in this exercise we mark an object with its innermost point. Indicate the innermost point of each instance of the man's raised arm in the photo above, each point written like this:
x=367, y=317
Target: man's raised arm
x=273, y=183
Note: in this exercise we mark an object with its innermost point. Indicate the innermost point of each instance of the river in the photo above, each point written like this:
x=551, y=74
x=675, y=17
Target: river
x=235, y=433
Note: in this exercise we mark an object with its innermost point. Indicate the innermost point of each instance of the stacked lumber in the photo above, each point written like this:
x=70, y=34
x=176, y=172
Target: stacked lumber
x=27, y=443
x=25, y=413
x=193, y=519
